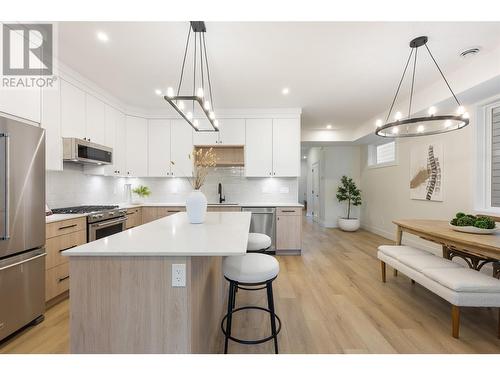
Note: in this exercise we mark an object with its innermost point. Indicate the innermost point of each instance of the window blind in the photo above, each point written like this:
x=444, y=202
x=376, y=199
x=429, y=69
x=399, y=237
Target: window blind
x=495, y=157
x=386, y=153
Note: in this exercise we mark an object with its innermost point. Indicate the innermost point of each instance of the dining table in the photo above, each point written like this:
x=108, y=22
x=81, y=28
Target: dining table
x=476, y=250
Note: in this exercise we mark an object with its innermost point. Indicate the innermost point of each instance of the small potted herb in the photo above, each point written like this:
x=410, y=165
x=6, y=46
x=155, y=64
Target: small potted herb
x=348, y=192
x=142, y=191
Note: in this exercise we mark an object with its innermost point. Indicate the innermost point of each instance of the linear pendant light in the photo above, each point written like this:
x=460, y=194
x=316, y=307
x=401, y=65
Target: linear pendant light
x=186, y=105
x=422, y=125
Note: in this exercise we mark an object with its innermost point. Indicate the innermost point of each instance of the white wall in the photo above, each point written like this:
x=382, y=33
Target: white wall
x=72, y=187
x=386, y=192
x=303, y=181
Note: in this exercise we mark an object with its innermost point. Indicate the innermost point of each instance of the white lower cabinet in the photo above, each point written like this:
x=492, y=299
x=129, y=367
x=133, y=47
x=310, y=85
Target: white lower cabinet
x=181, y=147
x=51, y=122
x=136, y=146
x=159, y=148
x=259, y=148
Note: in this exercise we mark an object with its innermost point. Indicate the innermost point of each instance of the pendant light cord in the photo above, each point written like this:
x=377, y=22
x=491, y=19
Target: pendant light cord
x=399, y=86
x=442, y=75
x=412, y=82
x=184, y=61
x=208, y=72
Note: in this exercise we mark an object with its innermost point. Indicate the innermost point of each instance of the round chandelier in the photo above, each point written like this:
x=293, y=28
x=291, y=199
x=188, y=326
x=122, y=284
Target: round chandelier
x=422, y=125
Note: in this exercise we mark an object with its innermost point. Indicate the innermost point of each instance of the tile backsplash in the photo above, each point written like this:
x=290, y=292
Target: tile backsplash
x=72, y=187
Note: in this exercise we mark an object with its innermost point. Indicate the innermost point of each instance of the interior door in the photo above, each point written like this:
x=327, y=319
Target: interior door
x=315, y=191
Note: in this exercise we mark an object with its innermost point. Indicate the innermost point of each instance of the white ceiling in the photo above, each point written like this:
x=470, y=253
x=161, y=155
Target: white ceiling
x=338, y=73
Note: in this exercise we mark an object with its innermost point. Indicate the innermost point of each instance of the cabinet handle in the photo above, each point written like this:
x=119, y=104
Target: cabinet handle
x=274, y=173
x=67, y=248
x=67, y=227
x=173, y=211
x=288, y=211
x=61, y=279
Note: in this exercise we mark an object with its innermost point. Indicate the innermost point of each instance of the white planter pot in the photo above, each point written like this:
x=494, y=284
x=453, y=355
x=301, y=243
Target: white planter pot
x=196, y=207
x=349, y=225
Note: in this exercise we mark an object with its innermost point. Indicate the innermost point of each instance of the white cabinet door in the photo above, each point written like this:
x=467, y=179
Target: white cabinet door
x=94, y=111
x=120, y=148
x=181, y=148
x=137, y=146
x=110, y=120
x=72, y=111
x=21, y=102
x=286, y=147
x=159, y=148
x=232, y=131
x=51, y=122
x=201, y=138
x=259, y=148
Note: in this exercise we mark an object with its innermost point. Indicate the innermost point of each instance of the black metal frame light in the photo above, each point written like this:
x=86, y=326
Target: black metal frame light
x=420, y=126
x=198, y=29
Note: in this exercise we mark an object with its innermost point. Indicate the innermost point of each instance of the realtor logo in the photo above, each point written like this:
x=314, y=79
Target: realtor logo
x=27, y=49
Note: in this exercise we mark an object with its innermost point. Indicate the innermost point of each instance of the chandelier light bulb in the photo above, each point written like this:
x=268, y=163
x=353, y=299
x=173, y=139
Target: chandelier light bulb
x=158, y=92
x=378, y=123
x=465, y=115
x=461, y=110
x=432, y=111
x=196, y=123
x=211, y=115
x=199, y=92
x=447, y=123
x=170, y=92
x=189, y=115
x=206, y=105
x=420, y=129
x=180, y=104
x=398, y=116
x=395, y=130
x=216, y=123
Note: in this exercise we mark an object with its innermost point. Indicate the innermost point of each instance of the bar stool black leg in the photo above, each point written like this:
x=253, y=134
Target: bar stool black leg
x=230, y=304
x=234, y=295
x=270, y=304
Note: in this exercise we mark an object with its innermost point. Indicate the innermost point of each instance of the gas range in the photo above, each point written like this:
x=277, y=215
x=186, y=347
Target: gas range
x=95, y=213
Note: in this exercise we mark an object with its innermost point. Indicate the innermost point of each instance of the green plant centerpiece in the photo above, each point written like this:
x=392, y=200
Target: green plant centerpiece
x=142, y=191
x=467, y=220
x=349, y=192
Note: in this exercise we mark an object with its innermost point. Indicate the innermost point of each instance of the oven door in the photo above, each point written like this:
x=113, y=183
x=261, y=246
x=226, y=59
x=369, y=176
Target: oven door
x=106, y=228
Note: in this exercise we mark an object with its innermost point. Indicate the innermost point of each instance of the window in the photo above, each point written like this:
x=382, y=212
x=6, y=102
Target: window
x=494, y=118
x=382, y=155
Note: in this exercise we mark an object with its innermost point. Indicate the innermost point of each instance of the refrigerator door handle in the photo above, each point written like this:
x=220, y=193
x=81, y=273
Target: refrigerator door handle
x=23, y=261
x=5, y=200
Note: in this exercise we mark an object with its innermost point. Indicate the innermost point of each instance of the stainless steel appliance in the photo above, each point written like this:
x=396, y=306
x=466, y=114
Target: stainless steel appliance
x=83, y=151
x=263, y=221
x=102, y=221
x=22, y=225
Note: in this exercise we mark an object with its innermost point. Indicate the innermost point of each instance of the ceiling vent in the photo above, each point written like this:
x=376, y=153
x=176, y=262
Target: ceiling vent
x=469, y=52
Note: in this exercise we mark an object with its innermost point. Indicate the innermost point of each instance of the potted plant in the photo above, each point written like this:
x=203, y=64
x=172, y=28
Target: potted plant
x=196, y=202
x=348, y=191
x=142, y=191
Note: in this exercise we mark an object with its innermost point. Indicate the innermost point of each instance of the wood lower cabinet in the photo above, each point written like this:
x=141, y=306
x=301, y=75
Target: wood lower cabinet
x=61, y=236
x=288, y=229
x=154, y=213
x=134, y=217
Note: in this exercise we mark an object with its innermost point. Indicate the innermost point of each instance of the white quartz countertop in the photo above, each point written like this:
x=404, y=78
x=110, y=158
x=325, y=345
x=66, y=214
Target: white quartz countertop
x=60, y=217
x=222, y=234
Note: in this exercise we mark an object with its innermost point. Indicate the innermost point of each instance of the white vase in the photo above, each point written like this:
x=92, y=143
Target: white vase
x=349, y=225
x=196, y=207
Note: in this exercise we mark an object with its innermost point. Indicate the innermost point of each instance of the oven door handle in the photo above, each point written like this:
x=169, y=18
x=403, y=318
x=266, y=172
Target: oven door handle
x=108, y=223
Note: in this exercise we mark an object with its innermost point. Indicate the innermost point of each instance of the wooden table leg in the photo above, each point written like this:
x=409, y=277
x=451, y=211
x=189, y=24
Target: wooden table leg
x=455, y=321
x=399, y=237
x=382, y=268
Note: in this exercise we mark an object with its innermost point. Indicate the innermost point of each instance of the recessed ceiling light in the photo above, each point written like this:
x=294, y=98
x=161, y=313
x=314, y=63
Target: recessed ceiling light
x=329, y=126
x=285, y=91
x=103, y=37
x=158, y=92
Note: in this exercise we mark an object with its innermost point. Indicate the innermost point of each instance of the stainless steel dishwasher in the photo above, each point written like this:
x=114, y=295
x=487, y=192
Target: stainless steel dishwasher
x=263, y=221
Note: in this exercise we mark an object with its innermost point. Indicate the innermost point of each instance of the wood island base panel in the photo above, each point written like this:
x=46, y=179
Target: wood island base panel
x=129, y=305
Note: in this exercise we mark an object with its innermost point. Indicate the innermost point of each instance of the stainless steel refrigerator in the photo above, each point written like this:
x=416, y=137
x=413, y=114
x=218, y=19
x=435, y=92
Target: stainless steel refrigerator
x=22, y=225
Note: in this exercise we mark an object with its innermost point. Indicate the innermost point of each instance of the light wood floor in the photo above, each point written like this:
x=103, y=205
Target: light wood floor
x=331, y=300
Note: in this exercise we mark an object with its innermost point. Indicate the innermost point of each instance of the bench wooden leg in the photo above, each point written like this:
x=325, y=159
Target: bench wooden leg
x=498, y=333
x=455, y=321
x=395, y=272
x=382, y=268
x=412, y=281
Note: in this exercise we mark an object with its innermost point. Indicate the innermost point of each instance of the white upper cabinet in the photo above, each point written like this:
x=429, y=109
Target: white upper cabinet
x=72, y=111
x=21, y=102
x=201, y=138
x=286, y=147
x=159, y=148
x=120, y=147
x=51, y=122
x=181, y=147
x=137, y=146
x=94, y=110
x=232, y=132
x=259, y=148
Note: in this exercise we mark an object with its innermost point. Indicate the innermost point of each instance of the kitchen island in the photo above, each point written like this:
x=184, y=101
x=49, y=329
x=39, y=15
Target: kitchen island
x=122, y=295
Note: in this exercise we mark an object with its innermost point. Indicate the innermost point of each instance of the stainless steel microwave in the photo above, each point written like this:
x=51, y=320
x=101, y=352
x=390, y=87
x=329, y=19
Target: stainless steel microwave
x=82, y=151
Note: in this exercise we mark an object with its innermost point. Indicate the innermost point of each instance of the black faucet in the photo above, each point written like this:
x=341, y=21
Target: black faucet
x=219, y=191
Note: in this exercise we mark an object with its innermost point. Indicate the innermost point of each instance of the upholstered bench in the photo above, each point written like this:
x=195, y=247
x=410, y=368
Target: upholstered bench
x=458, y=285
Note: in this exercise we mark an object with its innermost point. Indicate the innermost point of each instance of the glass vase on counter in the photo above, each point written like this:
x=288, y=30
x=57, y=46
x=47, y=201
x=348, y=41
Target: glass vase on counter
x=127, y=193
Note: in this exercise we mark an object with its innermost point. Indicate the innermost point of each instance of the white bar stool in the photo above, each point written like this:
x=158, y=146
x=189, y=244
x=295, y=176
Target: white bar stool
x=258, y=242
x=250, y=272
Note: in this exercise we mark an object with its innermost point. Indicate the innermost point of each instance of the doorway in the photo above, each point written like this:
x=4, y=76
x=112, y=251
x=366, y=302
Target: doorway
x=315, y=191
